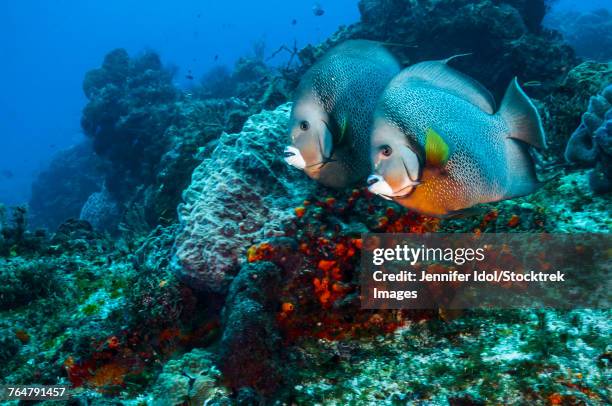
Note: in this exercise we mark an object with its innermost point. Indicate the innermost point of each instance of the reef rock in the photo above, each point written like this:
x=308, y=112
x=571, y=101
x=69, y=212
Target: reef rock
x=591, y=143
x=249, y=357
x=192, y=379
x=239, y=195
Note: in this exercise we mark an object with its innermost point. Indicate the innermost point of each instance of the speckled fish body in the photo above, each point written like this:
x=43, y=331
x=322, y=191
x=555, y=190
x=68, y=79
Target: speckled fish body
x=439, y=146
x=331, y=120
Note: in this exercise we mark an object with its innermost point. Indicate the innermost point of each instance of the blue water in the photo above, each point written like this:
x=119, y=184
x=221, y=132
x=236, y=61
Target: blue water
x=46, y=46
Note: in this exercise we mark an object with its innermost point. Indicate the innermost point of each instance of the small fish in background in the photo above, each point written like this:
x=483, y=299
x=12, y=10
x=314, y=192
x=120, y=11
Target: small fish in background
x=294, y=22
x=7, y=174
x=532, y=83
x=216, y=58
x=317, y=10
x=439, y=146
x=331, y=118
x=189, y=75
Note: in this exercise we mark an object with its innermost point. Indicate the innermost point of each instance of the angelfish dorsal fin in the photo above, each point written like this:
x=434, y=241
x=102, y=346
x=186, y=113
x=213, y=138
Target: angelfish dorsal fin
x=439, y=74
x=436, y=149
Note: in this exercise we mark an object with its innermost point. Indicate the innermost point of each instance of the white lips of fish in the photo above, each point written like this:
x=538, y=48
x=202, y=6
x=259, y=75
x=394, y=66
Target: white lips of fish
x=294, y=157
x=379, y=186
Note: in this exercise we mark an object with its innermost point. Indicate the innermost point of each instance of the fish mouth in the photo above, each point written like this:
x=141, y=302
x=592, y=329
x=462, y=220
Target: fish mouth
x=395, y=195
x=293, y=157
x=378, y=186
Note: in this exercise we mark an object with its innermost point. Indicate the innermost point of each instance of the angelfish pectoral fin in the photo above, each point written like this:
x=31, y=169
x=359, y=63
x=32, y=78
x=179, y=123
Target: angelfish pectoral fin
x=293, y=157
x=436, y=149
x=343, y=128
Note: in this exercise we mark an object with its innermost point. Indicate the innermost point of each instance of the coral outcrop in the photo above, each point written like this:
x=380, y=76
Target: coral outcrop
x=238, y=196
x=15, y=238
x=249, y=356
x=562, y=108
x=101, y=211
x=591, y=143
x=60, y=191
x=148, y=132
x=505, y=38
x=130, y=106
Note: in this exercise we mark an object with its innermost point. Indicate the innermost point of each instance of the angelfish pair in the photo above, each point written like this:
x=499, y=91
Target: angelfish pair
x=429, y=137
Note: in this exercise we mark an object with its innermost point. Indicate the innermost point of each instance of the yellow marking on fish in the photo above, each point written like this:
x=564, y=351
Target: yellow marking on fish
x=343, y=127
x=436, y=149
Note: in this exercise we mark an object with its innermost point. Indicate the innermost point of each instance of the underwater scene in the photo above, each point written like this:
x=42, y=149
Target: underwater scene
x=209, y=203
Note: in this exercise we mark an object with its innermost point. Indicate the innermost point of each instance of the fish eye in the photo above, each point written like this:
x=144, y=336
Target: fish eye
x=386, y=150
x=304, y=125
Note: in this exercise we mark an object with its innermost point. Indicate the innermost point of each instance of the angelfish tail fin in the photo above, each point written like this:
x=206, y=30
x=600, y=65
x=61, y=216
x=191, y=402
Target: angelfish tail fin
x=526, y=130
x=521, y=173
x=522, y=117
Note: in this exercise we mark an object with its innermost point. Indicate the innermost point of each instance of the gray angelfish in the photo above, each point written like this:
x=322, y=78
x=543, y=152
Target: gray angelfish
x=331, y=120
x=439, y=146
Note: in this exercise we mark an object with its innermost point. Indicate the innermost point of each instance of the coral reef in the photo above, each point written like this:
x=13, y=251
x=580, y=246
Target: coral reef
x=148, y=133
x=60, y=191
x=591, y=143
x=24, y=281
x=562, y=108
x=130, y=106
x=15, y=238
x=505, y=38
x=84, y=312
x=238, y=195
x=249, y=292
x=258, y=85
x=191, y=380
x=501, y=357
x=192, y=136
x=122, y=325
